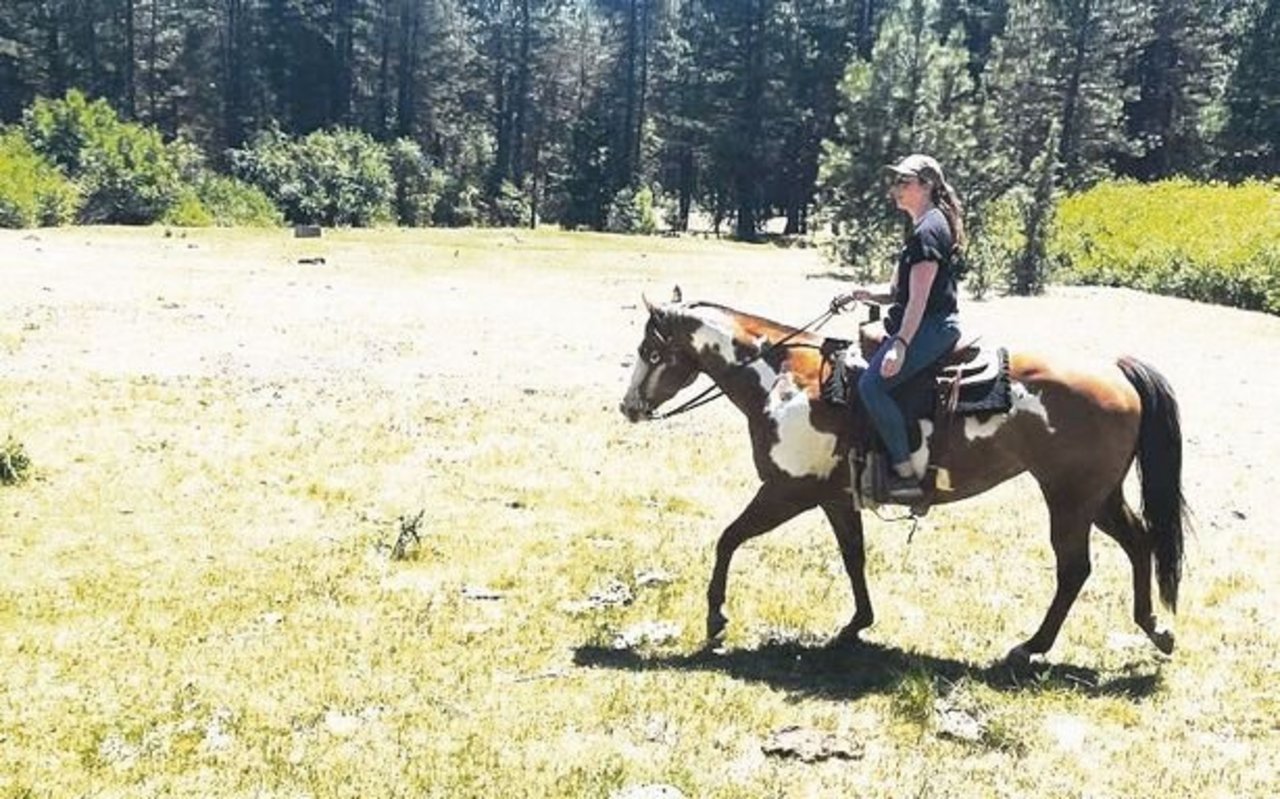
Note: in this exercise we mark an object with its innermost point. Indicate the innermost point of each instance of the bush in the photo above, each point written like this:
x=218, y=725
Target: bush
x=333, y=177
x=632, y=212
x=1208, y=242
x=234, y=203
x=510, y=207
x=127, y=173
x=14, y=463
x=461, y=204
x=188, y=211
x=418, y=185
x=32, y=191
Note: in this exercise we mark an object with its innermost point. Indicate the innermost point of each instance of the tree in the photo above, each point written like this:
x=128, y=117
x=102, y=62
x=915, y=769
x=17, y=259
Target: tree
x=1252, y=134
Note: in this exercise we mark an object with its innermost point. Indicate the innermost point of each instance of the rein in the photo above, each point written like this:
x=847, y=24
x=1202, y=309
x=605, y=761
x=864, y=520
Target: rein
x=713, y=392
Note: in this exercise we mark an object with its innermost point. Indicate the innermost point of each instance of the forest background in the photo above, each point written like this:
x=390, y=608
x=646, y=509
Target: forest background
x=1108, y=141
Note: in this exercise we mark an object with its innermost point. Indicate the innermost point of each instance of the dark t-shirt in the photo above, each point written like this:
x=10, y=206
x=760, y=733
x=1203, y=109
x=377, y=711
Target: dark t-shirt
x=930, y=241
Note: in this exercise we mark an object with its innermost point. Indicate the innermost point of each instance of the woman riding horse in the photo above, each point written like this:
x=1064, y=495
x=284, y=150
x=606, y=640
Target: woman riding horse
x=922, y=323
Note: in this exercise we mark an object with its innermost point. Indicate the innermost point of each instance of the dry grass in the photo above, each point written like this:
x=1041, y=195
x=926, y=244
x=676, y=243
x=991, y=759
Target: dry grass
x=199, y=598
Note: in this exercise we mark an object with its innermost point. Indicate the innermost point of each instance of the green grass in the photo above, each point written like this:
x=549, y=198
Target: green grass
x=199, y=598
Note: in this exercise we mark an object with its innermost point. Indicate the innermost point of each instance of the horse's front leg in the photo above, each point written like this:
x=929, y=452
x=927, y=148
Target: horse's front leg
x=771, y=506
x=847, y=524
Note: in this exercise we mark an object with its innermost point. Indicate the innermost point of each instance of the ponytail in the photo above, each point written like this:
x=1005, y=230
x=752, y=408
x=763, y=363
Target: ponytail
x=944, y=196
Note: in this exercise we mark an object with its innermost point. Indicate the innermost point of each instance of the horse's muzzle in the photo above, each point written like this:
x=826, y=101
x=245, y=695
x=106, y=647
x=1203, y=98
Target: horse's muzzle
x=634, y=413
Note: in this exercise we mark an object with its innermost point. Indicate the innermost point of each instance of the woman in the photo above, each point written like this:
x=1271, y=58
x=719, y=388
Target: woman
x=922, y=319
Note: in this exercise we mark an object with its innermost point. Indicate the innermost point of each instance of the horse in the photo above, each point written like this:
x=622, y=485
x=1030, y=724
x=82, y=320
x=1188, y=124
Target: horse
x=1077, y=431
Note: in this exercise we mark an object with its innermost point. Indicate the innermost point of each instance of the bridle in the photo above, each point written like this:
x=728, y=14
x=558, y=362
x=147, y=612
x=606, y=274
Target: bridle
x=714, y=392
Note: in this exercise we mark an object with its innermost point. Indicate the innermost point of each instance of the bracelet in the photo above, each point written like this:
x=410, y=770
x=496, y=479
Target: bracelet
x=905, y=343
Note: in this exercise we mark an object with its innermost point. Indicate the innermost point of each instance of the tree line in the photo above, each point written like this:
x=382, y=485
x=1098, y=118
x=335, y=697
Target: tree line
x=745, y=109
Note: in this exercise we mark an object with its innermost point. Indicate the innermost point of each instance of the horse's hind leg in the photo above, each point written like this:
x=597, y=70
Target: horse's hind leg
x=1118, y=520
x=770, y=507
x=847, y=524
x=1069, y=526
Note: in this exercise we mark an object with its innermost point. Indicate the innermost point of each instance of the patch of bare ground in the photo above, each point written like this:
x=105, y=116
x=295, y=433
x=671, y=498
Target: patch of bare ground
x=198, y=593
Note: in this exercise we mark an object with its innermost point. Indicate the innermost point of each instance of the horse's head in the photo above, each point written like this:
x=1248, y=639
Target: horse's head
x=666, y=361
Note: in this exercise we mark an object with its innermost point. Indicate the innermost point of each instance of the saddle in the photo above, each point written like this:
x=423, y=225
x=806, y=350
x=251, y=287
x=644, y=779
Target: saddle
x=971, y=380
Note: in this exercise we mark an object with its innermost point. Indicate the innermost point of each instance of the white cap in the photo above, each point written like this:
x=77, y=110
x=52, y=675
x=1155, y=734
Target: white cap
x=919, y=165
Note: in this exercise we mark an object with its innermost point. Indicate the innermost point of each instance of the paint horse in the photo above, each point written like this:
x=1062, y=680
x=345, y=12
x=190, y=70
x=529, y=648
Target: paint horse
x=1075, y=431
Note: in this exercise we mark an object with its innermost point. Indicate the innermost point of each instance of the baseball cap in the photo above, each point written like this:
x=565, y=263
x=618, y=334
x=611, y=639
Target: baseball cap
x=918, y=165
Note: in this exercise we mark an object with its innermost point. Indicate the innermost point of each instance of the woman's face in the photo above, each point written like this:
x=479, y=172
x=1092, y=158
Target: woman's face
x=908, y=193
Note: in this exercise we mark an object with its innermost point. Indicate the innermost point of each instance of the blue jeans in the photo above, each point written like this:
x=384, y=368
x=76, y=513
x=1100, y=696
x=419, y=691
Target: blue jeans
x=935, y=338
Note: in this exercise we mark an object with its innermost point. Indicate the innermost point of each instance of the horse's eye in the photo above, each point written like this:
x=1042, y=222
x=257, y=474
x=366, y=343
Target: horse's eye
x=654, y=357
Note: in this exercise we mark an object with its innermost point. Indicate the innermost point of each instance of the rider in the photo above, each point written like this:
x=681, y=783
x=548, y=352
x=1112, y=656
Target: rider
x=922, y=319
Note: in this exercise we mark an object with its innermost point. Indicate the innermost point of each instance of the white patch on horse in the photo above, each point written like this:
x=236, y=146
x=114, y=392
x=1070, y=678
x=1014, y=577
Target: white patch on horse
x=802, y=450
x=1024, y=401
x=920, y=458
x=715, y=335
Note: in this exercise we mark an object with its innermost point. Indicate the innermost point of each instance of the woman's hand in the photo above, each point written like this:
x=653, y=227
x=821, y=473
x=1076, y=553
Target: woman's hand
x=839, y=301
x=891, y=364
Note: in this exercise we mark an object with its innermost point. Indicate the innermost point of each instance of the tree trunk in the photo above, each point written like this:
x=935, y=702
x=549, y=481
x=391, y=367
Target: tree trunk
x=520, y=112
x=406, y=98
x=130, y=92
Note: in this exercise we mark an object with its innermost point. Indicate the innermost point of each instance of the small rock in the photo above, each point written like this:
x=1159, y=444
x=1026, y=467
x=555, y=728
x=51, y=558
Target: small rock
x=959, y=724
x=654, y=633
x=650, y=577
x=481, y=593
x=809, y=746
x=615, y=592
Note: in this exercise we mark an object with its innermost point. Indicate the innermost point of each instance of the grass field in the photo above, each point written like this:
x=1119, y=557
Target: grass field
x=198, y=597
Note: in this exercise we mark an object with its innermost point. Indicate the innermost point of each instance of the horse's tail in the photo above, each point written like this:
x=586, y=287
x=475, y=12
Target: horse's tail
x=1164, y=509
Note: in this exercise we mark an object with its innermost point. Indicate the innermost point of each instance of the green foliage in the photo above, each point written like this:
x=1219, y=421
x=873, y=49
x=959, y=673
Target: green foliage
x=15, y=466
x=1208, y=242
x=510, y=206
x=418, y=185
x=32, y=191
x=234, y=203
x=632, y=211
x=332, y=177
x=461, y=204
x=188, y=211
x=127, y=173
x=907, y=98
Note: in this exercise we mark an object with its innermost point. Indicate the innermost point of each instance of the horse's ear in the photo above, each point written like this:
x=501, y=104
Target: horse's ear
x=650, y=307
x=676, y=295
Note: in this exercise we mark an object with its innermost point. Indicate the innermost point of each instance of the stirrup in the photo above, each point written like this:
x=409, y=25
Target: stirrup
x=904, y=490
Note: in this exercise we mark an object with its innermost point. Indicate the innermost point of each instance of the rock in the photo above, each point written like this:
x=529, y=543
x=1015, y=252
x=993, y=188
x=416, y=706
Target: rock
x=957, y=716
x=654, y=633
x=809, y=746
x=651, y=577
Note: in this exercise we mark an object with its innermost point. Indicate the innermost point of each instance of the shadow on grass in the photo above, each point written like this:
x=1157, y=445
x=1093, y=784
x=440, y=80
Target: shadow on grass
x=851, y=671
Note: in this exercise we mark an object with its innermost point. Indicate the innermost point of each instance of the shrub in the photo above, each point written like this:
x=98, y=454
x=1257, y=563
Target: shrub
x=510, y=207
x=333, y=177
x=32, y=191
x=418, y=185
x=188, y=211
x=14, y=463
x=632, y=211
x=127, y=173
x=234, y=203
x=461, y=204
x=1208, y=242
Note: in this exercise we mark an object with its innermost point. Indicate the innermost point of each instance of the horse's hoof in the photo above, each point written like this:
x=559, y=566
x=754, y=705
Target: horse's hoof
x=1018, y=658
x=716, y=622
x=852, y=632
x=1163, y=639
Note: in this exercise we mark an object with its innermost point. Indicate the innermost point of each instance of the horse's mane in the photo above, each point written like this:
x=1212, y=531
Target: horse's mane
x=757, y=326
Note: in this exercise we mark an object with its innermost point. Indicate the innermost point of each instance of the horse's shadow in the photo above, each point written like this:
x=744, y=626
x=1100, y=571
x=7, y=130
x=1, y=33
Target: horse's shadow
x=851, y=671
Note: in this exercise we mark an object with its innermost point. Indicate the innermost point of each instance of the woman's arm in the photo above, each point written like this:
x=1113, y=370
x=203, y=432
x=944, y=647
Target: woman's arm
x=921, y=277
